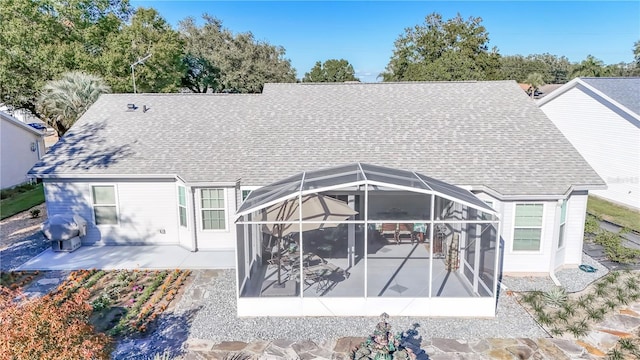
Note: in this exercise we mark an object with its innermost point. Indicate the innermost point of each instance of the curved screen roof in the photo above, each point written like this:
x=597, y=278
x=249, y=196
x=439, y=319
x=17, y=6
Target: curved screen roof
x=356, y=174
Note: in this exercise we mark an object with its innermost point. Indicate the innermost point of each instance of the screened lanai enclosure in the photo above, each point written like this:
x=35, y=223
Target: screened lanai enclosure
x=363, y=239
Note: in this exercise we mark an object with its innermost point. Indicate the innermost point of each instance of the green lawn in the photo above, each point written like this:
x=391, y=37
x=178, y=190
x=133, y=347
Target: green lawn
x=21, y=201
x=614, y=213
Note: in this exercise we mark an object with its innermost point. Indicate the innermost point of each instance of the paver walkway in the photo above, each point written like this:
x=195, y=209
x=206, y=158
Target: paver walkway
x=596, y=344
x=603, y=337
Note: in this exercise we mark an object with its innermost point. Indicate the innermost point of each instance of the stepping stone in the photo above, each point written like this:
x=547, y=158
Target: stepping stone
x=257, y=347
x=282, y=343
x=304, y=346
x=230, y=346
x=346, y=344
x=591, y=349
x=501, y=354
x=520, y=352
x=48, y=281
x=629, y=312
x=620, y=334
x=480, y=346
x=322, y=353
x=568, y=347
x=198, y=345
x=621, y=322
x=528, y=342
x=550, y=351
x=601, y=339
x=450, y=345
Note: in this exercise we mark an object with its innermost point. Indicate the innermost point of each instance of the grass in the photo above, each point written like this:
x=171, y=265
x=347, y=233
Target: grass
x=19, y=201
x=614, y=213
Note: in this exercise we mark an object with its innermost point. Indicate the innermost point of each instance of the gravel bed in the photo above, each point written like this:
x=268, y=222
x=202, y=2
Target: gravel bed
x=216, y=320
x=22, y=251
x=573, y=280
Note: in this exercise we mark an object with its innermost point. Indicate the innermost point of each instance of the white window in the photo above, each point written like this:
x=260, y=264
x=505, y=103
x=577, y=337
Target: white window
x=213, y=216
x=105, y=208
x=245, y=193
x=182, y=205
x=485, y=215
x=528, y=227
x=563, y=221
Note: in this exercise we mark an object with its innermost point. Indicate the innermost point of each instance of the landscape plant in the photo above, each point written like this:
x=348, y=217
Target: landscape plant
x=49, y=327
x=383, y=344
x=573, y=315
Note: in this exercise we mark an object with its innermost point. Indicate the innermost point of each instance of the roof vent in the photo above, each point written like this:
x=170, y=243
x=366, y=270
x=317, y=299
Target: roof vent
x=131, y=107
x=145, y=108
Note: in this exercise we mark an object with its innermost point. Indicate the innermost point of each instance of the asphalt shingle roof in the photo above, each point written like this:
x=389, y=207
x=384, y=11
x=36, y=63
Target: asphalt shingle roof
x=464, y=133
x=624, y=90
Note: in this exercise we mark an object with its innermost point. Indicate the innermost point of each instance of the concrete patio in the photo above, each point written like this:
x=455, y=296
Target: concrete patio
x=130, y=257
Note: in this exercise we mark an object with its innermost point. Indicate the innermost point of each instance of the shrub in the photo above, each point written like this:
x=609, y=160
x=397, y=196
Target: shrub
x=591, y=224
x=556, y=297
x=45, y=328
x=35, y=213
x=383, y=344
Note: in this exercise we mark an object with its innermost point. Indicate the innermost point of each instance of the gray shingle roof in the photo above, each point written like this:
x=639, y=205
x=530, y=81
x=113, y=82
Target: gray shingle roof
x=465, y=133
x=624, y=90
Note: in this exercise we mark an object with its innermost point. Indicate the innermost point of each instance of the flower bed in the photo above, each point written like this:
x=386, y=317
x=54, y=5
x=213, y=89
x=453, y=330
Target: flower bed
x=124, y=302
x=18, y=279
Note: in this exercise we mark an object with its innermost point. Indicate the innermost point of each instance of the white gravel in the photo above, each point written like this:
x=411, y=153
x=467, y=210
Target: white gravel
x=572, y=279
x=216, y=320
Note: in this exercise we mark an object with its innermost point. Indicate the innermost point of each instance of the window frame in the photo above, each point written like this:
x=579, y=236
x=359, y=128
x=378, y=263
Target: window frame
x=514, y=227
x=223, y=209
x=562, y=228
x=181, y=206
x=116, y=203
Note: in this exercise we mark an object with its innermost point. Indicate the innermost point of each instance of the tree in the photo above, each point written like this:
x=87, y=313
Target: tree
x=49, y=328
x=636, y=53
x=237, y=62
x=589, y=67
x=535, y=80
x=63, y=101
x=332, y=70
x=455, y=49
x=41, y=39
x=200, y=75
x=148, y=33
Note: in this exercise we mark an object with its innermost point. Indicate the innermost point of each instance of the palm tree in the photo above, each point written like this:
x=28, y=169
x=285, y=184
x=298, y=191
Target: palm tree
x=62, y=102
x=534, y=80
x=590, y=67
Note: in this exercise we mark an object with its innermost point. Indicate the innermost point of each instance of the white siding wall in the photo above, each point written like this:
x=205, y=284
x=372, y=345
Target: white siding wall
x=217, y=239
x=610, y=143
x=528, y=261
x=16, y=157
x=148, y=211
x=574, y=235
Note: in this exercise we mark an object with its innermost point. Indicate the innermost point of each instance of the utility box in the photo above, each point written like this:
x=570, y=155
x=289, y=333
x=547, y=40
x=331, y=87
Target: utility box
x=68, y=245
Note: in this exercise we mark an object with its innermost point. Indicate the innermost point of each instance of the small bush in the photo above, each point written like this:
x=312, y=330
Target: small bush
x=47, y=328
x=383, y=344
x=591, y=225
x=556, y=297
x=35, y=213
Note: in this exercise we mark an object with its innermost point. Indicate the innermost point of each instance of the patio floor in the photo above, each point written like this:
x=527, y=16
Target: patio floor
x=131, y=257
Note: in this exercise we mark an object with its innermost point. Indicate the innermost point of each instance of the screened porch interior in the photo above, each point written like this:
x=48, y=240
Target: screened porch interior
x=406, y=235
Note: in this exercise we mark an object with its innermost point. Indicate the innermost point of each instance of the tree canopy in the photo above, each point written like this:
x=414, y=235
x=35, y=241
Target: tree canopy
x=332, y=70
x=41, y=39
x=220, y=60
x=455, y=49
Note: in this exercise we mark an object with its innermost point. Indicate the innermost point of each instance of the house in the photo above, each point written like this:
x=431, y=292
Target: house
x=21, y=147
x=412, y=197
x=601, y=119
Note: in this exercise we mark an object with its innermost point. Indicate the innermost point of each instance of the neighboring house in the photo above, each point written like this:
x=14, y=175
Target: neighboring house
x=472, y=170
x=601, y=119
x=21, y=146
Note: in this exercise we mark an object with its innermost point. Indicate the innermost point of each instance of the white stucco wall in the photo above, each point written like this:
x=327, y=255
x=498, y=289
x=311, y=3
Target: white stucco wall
x=16, y=156
x=609, y=142
x=147, y=211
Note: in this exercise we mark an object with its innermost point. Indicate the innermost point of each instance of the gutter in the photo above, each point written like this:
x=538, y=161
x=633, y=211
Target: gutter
x=194, y=238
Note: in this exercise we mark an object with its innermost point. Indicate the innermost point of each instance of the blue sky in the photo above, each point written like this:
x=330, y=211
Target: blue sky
x=364, y=32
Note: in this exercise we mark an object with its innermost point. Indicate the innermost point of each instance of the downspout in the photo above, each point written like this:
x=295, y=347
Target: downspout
x=194, y=238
